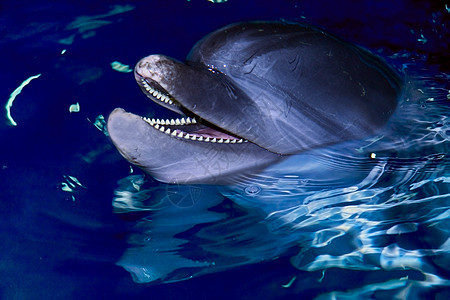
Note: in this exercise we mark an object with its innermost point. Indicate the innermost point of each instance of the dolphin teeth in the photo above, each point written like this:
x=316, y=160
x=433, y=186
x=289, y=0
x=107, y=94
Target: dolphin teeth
x=193, y=137
x=157, y=126
x=183, y=121
x=240, y=141
x=226, y=141
x=153, y=121
x=167, y=122
x=177, y=122
x=220, y=141
x=162, y=122
x=213, y=140
x=172, y=122
x=188, y=120
x=200, y=138
x=155, y=93
x=167, y=131
x=194, y=121
x=187, y=136
x=146, y=86
x=233, y=141
x=207, y=139
x=174, y=133
x=161, y=129
x=180, y=134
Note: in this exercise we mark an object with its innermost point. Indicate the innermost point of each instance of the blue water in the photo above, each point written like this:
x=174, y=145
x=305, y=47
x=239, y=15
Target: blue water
x=365, y=219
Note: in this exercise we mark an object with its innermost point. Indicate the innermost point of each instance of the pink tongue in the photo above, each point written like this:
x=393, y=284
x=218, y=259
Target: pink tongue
x=208, y=132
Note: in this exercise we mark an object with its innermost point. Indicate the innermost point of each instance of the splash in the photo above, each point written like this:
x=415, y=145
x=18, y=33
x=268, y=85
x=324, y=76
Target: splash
x=74, y=108
x=86, y=25
x=71, y=185
x=13, y=96
x=119, y=67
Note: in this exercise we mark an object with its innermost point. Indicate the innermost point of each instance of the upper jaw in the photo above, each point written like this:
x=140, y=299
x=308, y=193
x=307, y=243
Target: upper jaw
x=157, y=94
x=163, y=80
x=154, y=74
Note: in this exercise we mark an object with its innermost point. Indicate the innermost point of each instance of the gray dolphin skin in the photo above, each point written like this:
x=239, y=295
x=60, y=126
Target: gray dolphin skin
x=250, y=94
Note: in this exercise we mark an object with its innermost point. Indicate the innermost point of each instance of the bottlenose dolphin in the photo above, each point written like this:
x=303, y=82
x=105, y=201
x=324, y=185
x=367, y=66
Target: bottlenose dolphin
x=250, y=94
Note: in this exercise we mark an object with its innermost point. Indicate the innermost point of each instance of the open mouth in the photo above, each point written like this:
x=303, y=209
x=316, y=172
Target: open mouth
x=188, y=127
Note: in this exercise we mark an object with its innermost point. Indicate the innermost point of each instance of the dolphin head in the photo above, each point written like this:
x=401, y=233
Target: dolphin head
x=248, y=95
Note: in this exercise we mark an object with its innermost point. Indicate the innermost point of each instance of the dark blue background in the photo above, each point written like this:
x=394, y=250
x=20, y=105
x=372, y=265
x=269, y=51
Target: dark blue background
x=53, y=247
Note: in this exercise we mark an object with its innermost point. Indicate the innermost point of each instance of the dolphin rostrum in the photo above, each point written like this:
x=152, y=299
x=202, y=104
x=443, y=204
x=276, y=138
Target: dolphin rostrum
x=250, y=94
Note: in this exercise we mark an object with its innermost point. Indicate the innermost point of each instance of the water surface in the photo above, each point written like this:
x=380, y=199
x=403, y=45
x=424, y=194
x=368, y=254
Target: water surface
x=367, y=218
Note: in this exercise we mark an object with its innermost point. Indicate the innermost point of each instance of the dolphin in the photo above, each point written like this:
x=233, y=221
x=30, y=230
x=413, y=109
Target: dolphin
x=250, y=94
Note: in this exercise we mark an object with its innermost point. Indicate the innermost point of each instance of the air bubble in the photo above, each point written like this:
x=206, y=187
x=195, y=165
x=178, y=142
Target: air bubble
x=252, y=190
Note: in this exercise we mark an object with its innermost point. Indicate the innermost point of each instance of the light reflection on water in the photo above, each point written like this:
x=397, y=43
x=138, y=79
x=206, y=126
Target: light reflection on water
x=379, y=204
